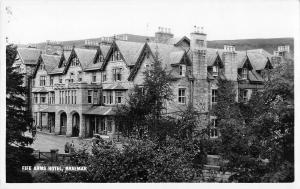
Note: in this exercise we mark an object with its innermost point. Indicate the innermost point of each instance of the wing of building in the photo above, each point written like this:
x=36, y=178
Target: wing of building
x=75, y=92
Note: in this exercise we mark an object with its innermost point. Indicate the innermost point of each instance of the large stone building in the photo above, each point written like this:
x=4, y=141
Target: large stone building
x=75, y=93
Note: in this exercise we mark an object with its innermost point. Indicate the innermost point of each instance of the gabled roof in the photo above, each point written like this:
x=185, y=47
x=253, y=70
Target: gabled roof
x=258, y=60
x=104, y=49
x=50, y=62
x=211, y=57
x=130, y=51
x=167, y=54
x=29, y=55
x=177, y=40
x=255, y=77
x=85, y=56
x=61, y=67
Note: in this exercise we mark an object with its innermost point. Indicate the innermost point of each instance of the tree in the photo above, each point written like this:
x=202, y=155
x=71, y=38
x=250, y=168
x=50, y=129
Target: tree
x=17, y=123
x=142, y=114
x=257, y=138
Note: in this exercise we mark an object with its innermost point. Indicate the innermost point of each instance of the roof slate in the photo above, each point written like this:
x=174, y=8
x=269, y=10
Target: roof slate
x=85, y=56
x=130, y=51
x=50, y=61
x=29, y=55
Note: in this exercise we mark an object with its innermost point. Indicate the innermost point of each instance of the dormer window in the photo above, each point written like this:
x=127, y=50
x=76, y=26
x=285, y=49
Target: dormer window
x=182, y=70
x=244, y=73
x=42, y=67
x=75, y=62
x=215, y=71
x=116, y=56
x=101, y=58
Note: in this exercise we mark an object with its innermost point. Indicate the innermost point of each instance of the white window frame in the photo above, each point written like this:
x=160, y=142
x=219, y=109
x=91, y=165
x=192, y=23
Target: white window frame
x=94, y=77
x=214, y=96
x=215, y=71
x=182, y=70
x=119, y=97
x=181, y=96
x=90, y=96
x=213, y=131
x=244, y=74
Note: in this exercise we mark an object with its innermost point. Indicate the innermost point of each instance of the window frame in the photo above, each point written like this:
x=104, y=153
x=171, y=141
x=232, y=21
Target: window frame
x=90, y=96
x=119, y=96
x=215, y=71
x=213, y=131
x=182, y=70
x=244, y=73
x=42, y=80
x=214, y=96
x=182, y=95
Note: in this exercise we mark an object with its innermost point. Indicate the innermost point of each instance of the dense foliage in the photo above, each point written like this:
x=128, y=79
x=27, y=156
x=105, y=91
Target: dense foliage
x=257, y=137
x=139, y=161
x=17, y=122
x=141, y=115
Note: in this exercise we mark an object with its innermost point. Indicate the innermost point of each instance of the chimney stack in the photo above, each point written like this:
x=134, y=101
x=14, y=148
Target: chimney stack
x=229, y=59
x=198, y=46
x=163, y=35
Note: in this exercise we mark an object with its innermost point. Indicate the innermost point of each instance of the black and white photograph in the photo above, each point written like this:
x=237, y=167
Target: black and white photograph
x=128, y=91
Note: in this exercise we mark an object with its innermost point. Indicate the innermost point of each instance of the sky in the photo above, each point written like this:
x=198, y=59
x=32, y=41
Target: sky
x=40, y=20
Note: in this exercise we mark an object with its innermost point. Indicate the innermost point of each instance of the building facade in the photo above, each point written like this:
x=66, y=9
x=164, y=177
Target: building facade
x=76, y=93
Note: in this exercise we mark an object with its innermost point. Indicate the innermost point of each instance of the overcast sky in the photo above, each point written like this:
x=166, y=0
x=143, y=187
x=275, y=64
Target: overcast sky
x=40, y=20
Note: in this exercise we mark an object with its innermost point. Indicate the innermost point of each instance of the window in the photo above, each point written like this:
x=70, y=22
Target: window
x=69, y=97
x=33, y=82
x=35, y=96
x=60, y=79
x=51, y=80
x=182, y=70
x=79, y=76
x=75, y=97
x=94, y=77
x=244, y=73
x=43, y=98
x=214, y=95
x=213, y=132
x=42, y=80
x=75, y=62
x=104, y=98
x=62, y=97
x=66, y=97
x=101, y=58
x=51, y=98
x=245, y=95
x=119, y=96
x=95, y=97
x=215, y=71
x=110, y=99
x=35, y=118
x=59, y=97
x=104, y=77
x=42, y=67
x=109, y=124
x=90, y=92
x=117, y=76
x=181, y=96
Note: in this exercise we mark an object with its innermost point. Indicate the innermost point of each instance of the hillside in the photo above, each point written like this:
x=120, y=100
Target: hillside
x=269, y=45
